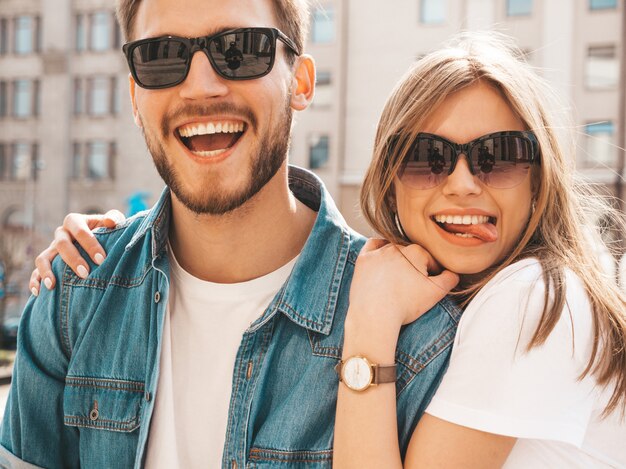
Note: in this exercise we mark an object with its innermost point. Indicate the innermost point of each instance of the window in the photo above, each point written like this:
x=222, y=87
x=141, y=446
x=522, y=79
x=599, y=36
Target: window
x=99, y=96
x=79, y=97
x=25, y=98
x=116, y=97
x=599, y=148
x=81, y=33
x=103, y=96
x=4, y=99
x=26, y=35
x=519, y=7
x=100, y=156
x=318, y=151
x=76, y=165
x=4, y=36
x=323, y=90
x=3, y=161
x=21, y=161
x=323, y=30
x=432, y=11
x=602, y=4
x=101, y=31
x=602, y=67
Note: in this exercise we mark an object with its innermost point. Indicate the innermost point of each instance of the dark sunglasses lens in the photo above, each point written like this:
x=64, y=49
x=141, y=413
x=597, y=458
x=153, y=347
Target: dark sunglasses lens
x=160, y=63
x=426, y=164
x=243, y=55
x=502, y=162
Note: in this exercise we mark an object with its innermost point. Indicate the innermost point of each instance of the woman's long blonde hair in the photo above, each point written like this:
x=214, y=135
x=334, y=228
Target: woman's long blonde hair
x=559, y=231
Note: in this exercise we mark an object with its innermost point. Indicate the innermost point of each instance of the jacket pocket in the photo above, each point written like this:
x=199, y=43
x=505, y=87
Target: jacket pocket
x=261, y=458
x=99, y=403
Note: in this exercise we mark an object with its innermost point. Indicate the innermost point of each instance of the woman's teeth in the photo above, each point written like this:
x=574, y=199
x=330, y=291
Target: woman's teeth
x=462, y=219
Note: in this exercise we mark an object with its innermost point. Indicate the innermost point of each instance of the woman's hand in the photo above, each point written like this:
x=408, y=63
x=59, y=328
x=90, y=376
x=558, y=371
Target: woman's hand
x=394, y=285
x=76, y=227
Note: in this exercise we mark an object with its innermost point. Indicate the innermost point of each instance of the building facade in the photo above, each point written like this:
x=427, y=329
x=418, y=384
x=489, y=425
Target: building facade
x=68, y=141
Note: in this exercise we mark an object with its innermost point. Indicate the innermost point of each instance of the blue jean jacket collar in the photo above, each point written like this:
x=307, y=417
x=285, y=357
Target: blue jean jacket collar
x=309, y=297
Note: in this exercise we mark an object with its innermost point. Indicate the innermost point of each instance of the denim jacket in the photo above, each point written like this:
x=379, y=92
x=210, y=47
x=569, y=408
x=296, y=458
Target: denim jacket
x=87, y=365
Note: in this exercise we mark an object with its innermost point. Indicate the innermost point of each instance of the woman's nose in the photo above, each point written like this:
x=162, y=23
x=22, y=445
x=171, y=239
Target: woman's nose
x=462, y=182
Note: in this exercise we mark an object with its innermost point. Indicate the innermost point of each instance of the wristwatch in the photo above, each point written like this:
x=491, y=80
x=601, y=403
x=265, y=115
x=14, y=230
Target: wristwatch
x=358, y=373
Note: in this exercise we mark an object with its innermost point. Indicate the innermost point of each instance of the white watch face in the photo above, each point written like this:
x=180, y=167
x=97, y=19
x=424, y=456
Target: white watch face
x=357, y=373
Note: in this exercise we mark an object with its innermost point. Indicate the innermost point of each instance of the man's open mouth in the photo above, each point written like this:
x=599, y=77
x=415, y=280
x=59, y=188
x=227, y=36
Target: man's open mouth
x=468, y=226
x=211, y=138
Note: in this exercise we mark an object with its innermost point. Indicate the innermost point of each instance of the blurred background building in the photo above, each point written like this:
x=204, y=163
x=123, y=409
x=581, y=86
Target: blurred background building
x=68, y=142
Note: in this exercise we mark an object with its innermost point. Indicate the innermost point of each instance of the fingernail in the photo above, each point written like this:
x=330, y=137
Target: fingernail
x=34, y=291
x=82, y=271
x=98, y=258
x=48, y=283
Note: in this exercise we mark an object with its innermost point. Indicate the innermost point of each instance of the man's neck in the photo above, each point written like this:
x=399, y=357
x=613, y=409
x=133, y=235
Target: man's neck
x=259, y=237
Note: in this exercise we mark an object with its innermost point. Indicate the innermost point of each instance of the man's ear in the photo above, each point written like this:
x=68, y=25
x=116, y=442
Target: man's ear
x=303, y=84
x=131, y=87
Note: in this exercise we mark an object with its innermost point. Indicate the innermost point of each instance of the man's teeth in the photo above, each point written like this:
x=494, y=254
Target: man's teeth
x=210, y=152
x=462, y=219
x=211, y=128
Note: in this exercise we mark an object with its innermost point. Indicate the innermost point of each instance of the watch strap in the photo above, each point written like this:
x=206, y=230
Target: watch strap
x=384, y=374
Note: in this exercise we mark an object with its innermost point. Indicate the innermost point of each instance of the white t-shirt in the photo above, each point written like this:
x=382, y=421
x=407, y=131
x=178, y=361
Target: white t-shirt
x=495, y=385
x=204, y=325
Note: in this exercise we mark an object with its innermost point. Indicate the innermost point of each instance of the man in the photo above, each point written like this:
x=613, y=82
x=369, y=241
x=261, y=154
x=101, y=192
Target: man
x=209, y=335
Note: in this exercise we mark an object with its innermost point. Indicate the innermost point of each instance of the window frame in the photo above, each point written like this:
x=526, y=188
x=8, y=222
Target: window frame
x=612, y=86
x=437, y=22
x=518, y=15
x=589, y=163
x=311, y=147
x=327, y=12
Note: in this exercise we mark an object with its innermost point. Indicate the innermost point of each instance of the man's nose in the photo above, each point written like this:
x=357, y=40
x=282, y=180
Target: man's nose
x=462, y=182
x=202, y=81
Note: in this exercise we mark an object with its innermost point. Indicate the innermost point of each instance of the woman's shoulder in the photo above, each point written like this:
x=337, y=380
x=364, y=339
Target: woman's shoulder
x=526, y=278
x=515, y=300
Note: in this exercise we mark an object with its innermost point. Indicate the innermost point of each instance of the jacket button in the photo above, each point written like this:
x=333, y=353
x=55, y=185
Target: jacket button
x=147, y=396
x=94, y=414
x=157, y=297
x=234, y=464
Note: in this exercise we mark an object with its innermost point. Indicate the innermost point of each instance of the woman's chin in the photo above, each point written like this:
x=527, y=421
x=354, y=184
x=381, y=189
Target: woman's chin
x=465, y=267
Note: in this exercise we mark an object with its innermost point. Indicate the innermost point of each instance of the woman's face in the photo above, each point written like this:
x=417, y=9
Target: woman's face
x=465, y=115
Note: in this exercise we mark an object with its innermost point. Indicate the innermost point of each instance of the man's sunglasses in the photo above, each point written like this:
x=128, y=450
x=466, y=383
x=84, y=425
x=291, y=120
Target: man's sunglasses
x=500, y=160
x=236, y=54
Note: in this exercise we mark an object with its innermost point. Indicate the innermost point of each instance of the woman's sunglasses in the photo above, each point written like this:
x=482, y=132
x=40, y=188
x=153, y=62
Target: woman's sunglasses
x=237, y=54
x=500, y=160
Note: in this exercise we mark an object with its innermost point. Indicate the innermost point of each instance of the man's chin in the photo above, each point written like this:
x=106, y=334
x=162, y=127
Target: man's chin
x=211, y=204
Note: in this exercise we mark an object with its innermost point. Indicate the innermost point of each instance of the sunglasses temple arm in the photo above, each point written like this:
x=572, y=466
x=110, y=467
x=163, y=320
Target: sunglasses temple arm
x=288, y=42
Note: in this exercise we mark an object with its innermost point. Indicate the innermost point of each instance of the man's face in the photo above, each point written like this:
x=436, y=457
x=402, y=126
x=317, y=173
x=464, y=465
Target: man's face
x=216, y=172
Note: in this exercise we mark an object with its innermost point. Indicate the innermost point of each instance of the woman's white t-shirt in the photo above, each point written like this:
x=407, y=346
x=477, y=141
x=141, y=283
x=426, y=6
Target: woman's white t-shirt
x=495, y=384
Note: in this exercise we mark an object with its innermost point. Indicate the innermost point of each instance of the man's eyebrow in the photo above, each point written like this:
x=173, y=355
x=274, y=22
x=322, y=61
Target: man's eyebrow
x=223, y=30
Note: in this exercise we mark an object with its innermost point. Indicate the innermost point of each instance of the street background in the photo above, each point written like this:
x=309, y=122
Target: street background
x=68, y=142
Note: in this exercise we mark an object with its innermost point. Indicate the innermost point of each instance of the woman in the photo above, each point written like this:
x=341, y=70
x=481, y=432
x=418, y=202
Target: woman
x=537, y=376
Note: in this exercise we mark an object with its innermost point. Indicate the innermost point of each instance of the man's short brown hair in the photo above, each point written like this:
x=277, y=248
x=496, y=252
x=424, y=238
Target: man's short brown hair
x=292, y=16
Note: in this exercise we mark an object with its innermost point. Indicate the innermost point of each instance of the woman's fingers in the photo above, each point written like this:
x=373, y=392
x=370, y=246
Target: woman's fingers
x=422, y=257
x=63, y=244
x=446, y=281
x=110, y=219
x=76, y=227
x=43, y=271
x=35, y=282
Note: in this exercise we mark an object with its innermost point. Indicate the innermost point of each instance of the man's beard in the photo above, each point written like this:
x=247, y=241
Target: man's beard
x=272, y=152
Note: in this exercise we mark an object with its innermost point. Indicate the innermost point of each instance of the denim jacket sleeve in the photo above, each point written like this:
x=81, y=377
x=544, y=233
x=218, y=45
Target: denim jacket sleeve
x=33, y=432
